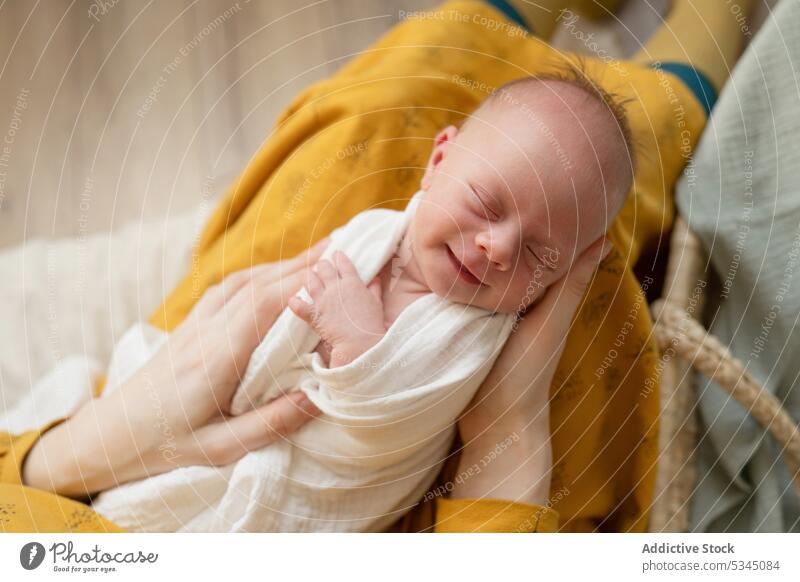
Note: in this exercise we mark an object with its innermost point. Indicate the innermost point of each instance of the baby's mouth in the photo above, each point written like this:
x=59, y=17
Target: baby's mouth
x=463, y=272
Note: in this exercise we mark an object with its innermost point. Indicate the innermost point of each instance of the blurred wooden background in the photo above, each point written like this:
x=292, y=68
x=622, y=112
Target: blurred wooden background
x=90, y=146
x=121, y=110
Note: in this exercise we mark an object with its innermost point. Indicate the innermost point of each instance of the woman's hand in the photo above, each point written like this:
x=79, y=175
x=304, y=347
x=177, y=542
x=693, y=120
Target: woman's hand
x=173, y=411
x=511, y=409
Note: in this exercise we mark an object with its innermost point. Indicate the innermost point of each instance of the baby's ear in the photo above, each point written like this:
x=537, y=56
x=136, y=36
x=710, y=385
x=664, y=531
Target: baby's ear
x=441, y=144
x=448, y=134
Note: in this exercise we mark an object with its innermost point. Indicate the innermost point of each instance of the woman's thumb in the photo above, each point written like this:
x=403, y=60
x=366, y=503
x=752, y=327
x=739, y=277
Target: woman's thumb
x=584, y=267
x=558, y=306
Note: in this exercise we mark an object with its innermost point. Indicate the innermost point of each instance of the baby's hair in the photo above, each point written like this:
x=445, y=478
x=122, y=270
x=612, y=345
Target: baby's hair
x=574, y=73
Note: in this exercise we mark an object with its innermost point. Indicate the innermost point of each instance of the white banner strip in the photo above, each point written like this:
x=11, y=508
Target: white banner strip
x=401, y=557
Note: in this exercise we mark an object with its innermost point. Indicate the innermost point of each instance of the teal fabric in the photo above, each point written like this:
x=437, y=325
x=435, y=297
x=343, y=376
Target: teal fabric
x=510, y=12
x=741, y=195
x=697, y=82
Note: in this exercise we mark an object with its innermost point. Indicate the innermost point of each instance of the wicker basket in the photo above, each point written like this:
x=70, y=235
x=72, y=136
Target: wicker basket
x=686, y=346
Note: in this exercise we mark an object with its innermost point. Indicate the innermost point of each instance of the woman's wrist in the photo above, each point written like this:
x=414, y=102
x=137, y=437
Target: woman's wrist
x=520, y=475
x=78, y=457
x=513, y=464
x=48, y=465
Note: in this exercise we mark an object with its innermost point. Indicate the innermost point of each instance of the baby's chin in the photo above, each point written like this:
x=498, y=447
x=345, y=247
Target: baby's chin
x=505, y=306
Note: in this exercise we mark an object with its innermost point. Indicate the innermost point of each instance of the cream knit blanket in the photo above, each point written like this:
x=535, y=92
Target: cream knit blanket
x=387, y=424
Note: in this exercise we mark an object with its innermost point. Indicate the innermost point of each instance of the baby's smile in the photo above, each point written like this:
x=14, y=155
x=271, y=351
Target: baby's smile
x=464, y=272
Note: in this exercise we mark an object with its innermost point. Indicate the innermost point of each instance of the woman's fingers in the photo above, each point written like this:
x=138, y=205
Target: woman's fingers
x=227, y=441
x=256, y=310
x=260, y=304
x=217, y=296
x=301, y=262
x=276, y=295
x=583, y=269
x=555, y=311
x=309, y=256
x=209, y=303
x=288, y=289
x=313, y=254
x=221, y=441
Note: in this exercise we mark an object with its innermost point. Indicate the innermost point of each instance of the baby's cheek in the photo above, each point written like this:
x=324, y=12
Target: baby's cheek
x=433, y=228
x=520, y=293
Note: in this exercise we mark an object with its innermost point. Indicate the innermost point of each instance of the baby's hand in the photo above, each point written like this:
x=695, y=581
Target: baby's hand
x=346, y=313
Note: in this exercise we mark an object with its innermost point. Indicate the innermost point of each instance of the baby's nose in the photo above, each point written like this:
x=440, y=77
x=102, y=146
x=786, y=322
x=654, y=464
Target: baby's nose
x=498, y=250
x=500, y=263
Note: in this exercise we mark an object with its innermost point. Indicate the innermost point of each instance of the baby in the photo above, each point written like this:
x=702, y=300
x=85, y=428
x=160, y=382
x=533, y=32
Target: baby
x=528, y=183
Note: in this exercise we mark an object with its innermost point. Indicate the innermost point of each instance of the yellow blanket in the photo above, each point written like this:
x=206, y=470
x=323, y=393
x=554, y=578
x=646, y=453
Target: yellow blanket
x=361, y=139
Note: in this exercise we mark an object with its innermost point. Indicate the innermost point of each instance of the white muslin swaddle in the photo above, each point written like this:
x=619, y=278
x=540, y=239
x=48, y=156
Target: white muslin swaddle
x=387, y=423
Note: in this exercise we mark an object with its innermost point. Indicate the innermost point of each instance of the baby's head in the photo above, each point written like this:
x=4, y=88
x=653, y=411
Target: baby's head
x=529, y=181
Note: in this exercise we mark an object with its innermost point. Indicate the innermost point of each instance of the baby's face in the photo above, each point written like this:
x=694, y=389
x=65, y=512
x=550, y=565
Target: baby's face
x=506, y=209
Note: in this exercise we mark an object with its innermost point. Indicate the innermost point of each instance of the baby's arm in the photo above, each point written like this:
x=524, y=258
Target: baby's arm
x=346, y=313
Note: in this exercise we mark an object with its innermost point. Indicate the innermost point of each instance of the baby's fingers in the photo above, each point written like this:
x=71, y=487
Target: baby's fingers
x=327, y=272
x=315, y=285
x=344, y=265
x=301, y=309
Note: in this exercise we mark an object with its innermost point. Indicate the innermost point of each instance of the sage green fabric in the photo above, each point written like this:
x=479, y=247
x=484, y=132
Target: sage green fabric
x=742, y=197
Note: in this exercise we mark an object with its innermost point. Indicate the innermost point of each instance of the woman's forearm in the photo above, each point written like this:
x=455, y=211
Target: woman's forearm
x=514, y=465
x=506, y=429
x=85, y=454
x=507, y=452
